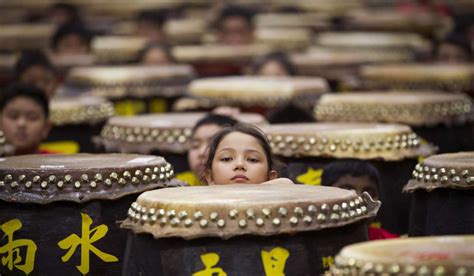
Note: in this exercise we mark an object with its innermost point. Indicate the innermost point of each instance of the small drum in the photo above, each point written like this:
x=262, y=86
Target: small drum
x=162, y=134
x=450, y=77
x=16, y=37
x=133, y=89
x=291, y=39
x=259, y=94
x=75, y=121
x=340, y=66
x=448, y=255
x=392, y=149
x=58, y=212
x=117, y=49
x=266, y=229
x=218, y=60
x=443, y=119
x=442, y=192
x=314, y=21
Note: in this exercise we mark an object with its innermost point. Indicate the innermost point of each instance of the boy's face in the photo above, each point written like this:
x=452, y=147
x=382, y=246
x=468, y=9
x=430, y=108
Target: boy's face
x=272, y=68
x=72, y=44
x=199, y=143
x=358, y=183
x=235, y=30
x=239, y=159
x=155, y=56
x=150, y=31
x=24, y=125
x=40, y=77
x=451, y=53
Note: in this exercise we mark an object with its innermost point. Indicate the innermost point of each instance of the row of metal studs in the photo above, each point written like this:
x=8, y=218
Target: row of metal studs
x=162, y=173
x=422, y=84
x=352, y=267
x=281, y=142
x=337, y=212
x=443, y=175
x=137, y=134
x=91, y=113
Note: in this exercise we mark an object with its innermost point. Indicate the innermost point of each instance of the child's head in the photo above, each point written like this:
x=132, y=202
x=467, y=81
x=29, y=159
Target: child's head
x=273, y=64
x=63, y=13
x=238, y=155
x=149, y=24
x=201, y=135
x=24, y=112
x=352, y=174
x=234, y=25
x=455, y=48
x=155, y=53
x=33, y=67
x=71, y=38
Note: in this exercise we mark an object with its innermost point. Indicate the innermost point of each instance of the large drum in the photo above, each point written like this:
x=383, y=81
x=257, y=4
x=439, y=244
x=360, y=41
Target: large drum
x=75, y=121
x=392, y=149
x=448, y=255
x=162, y=134
x=58, y=212
x=218, y=60
x=444, y=119
x=442, y=192
x=413, y=76
x=16, y=37
x=117, y=49
x=266, y=229
x=258, y=94
x=133, y=89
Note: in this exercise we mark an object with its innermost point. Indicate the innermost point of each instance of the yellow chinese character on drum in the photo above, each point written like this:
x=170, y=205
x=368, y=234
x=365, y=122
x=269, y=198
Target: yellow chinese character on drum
x=327, y=262
x=310, y=177
x=85, y=241
x=12, y=249
x=209, y=260
x=274, y=261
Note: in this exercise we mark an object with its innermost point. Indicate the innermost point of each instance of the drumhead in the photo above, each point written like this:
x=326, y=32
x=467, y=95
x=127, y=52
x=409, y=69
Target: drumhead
x=389, y=142
x=80, y=110
x=444, y=255
x=416, y=108
x=80, y=177
x=451, y=170
x=263, y=209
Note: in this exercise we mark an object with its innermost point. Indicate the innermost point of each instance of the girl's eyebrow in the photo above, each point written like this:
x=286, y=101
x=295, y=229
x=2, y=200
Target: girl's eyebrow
x=247, y=150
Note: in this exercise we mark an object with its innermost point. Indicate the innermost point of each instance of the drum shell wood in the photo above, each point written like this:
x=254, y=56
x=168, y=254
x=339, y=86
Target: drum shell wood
x=81, y=134
x=50, y=223
x=240, y=255
x=395, y=209
x=441, y=211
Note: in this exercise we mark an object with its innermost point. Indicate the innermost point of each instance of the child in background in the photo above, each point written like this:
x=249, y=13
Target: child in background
x=360, y=176
x=156, y=54
x=71, y=39
x=202, y=133
x=234, y=26
x=239, y=155
x=24, y=119
x=273, y=64
x=33, y=67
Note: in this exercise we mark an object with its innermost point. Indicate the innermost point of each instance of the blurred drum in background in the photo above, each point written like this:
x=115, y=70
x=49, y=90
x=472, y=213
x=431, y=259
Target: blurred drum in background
x=265, y=229
x=444, y=119
x=52, y=205
x=392, y=149
x=442, y=192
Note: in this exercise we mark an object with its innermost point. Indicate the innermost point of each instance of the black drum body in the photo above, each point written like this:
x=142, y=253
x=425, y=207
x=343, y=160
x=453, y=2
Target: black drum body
x=303, y=253
x=70, y=238
x=395, y=208
x=81, y=134
x=442, y=211
x=454, y=138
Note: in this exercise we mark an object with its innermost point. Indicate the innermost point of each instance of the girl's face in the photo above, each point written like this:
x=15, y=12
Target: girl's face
x=239, y=159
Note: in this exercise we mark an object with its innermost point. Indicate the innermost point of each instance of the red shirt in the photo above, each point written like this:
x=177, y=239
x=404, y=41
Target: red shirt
x=378, y=233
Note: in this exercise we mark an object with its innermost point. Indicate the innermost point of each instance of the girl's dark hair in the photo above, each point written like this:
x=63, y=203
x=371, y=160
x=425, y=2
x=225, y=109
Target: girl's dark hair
x=17, y=90
x=76, y=28
x=242, y=128
x=153, y=45
x=280, y=57
x=30, y=58
x=215, y=119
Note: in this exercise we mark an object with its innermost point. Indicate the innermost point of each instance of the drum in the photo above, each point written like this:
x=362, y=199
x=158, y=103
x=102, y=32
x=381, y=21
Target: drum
x=341, y=66
x=266, y=229
x=283, y=38
x=117, y=49
x=392, y=149
x=444, y=119
x=58, y=212
x=314, y=21
x=259, y=94
x=415, y=76
x=133, y=89
x=75, y=121
x=162, y=134
x=218, y=60
x=448, y=255
x=16, y=37
x=442, y=194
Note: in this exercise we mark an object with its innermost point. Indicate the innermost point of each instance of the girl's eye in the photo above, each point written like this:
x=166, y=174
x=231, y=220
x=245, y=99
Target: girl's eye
x=226, y=159
x=253, y=160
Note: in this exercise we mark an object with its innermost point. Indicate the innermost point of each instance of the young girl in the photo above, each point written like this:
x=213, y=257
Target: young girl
x=239, y=155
